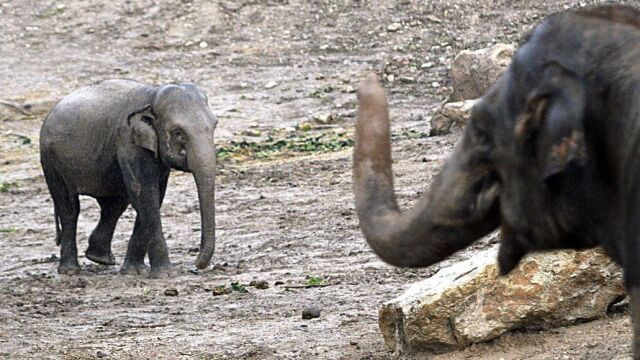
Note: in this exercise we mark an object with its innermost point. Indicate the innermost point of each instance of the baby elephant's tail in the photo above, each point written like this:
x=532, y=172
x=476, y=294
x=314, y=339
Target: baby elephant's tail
x=58, y=193
x=58, y=228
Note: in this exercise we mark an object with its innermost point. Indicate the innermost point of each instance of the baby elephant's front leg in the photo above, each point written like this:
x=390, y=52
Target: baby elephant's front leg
x=144, y=194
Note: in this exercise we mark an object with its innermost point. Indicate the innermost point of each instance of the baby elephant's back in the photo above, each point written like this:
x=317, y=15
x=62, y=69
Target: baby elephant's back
x=79, y=133
x=95, y=106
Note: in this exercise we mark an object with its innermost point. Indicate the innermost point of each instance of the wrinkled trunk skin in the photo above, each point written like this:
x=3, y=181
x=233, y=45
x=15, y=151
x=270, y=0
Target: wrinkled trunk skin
x=461, y=207
x=202, y=163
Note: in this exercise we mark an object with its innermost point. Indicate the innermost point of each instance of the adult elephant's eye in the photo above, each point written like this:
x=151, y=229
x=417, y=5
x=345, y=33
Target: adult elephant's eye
x=178, y=135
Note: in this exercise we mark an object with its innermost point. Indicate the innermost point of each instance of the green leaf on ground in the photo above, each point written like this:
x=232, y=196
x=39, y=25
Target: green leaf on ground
x=236, y=286
x=314, y=281
x=6, y=186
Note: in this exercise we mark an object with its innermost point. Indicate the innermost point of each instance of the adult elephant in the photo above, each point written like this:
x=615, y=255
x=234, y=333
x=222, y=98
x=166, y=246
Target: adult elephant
x=116, y=141
x=551, y=155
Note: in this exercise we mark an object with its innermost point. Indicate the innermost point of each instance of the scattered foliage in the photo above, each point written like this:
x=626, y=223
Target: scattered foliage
x=236, y=286
x=314, y=281
x=6, y=186
x=321, y=143
x=304, y=144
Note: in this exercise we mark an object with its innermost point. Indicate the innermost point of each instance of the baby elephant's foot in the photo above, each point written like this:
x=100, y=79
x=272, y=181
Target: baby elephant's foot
x=68, y=268
x=100, y=257
x=134, y=268
x=163, y=271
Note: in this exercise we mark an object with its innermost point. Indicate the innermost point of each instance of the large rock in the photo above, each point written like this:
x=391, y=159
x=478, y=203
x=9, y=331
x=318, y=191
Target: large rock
x=474, y=71
x=451, y=117
x=469, y=303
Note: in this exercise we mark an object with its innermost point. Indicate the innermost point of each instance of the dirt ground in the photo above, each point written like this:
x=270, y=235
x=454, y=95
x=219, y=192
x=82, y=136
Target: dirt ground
x=267, y=65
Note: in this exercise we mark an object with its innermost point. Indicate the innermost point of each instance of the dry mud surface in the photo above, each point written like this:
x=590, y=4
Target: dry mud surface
x=266, y=65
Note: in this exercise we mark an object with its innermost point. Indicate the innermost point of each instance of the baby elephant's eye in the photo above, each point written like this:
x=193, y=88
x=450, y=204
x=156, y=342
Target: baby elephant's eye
x=178, y=135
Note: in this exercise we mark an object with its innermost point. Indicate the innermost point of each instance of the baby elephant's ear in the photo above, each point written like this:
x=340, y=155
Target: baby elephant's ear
x=142, y=131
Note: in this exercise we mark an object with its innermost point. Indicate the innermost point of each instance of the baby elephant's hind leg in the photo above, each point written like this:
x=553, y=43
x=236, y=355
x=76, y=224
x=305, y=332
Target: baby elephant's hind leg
x=99, y=250
x=67, y=209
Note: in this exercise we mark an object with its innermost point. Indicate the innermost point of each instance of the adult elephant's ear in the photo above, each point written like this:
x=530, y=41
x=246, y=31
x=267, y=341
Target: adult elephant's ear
x=142, y=131
x=554, y=120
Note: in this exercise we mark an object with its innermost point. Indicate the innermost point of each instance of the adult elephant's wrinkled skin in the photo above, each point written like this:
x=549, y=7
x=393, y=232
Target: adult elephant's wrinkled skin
x=551, y=155
x=116, y=141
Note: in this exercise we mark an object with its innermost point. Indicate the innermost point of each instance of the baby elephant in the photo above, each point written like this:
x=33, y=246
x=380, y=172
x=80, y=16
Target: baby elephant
x=116, y=141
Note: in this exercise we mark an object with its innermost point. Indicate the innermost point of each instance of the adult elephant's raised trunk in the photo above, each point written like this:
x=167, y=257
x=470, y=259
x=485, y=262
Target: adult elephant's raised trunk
x=461, y=206
x=202, y=163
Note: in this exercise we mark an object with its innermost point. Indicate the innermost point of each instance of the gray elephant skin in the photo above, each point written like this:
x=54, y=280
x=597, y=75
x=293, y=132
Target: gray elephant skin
x=117, y=141
x=551, y=155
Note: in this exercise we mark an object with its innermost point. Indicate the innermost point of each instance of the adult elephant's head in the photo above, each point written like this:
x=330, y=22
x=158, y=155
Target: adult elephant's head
x=178, y=127
x=523, y=163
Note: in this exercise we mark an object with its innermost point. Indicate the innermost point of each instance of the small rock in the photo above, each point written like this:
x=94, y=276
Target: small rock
x=171, y=292
x=259, y=284
x=310, y=312
x=203, y=44
x=339, y=131
x=434, y=19
x=451, y=117
x=278, y=283
x=252, y=132
x=100, y=354
x=394, y=27
x=221, y=290
x=347, y=89
x=325, y=118
x=270, y=85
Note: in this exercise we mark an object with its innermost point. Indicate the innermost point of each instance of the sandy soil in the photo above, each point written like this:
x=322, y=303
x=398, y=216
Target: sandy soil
x=266, y=64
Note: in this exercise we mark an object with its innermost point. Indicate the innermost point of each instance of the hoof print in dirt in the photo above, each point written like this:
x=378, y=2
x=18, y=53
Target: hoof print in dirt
x=259, y=284
x=171, y=292
x=220, y=267
x=78, y=283
x=310, y=312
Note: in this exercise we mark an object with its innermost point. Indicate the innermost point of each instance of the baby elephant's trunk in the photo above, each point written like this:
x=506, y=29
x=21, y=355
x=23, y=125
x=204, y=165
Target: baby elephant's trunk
x=202, y=163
